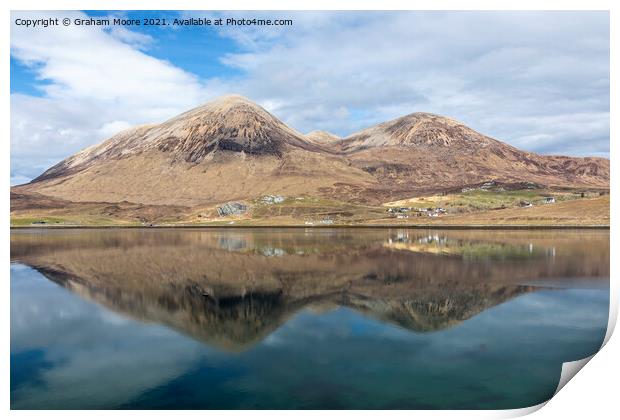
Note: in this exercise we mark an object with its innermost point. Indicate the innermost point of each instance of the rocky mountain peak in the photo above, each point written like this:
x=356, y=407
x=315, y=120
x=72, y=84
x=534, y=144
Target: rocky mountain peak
x=418, y=129
x=232, y=149
x=230, y=123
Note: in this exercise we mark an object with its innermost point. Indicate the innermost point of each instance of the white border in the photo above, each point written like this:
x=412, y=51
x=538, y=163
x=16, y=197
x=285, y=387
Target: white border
x=593, y=394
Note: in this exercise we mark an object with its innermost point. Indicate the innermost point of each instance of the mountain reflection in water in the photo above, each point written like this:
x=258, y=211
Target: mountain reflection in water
x=231, y=288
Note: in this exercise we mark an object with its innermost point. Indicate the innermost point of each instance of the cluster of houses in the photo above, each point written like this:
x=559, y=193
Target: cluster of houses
x=545, y=200
x=406, y=212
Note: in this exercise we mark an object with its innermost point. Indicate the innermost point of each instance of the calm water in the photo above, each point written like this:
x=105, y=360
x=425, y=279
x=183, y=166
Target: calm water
x=317, y=318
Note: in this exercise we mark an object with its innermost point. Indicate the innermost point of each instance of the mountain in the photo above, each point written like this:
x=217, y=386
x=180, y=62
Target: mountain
x=233, y=150
x=426, y=152
x=229, y=149
x=421, y=130
x=231, y=123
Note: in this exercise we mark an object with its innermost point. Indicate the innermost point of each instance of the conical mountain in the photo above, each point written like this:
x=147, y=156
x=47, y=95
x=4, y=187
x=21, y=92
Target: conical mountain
x=427, y=152
x=228, y=149
x=232, y=149
x=230, y=123
x=418, y=129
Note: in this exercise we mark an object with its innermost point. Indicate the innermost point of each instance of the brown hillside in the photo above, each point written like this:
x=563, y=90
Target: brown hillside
x=233, y=150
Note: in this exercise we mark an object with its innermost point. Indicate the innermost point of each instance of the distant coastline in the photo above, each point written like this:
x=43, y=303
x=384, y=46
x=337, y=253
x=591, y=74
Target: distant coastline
x=403, y=226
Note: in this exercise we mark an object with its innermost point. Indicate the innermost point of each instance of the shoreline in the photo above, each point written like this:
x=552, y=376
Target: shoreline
x=276, y=226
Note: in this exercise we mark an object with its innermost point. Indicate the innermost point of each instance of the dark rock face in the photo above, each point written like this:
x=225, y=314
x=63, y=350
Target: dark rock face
x=239, y=128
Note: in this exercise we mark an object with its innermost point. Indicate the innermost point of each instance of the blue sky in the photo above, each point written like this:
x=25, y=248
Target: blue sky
x=194, y=49
x=537, y=80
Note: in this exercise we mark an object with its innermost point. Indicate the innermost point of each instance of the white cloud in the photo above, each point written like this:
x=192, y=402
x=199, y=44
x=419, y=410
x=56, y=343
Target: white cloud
x=111, y=128
x=135, y=39
x=94, y=81
x=88, y=62
x=516, y=76
x=538, y=80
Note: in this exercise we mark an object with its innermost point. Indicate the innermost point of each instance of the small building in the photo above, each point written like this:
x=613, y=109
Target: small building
x=272, y=199
x=548, y=200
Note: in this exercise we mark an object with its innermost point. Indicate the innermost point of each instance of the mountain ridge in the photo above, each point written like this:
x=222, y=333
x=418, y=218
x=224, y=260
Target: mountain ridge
x=233, y=149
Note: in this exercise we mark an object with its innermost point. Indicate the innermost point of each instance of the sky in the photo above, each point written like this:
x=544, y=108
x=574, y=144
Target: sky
x=536, y=80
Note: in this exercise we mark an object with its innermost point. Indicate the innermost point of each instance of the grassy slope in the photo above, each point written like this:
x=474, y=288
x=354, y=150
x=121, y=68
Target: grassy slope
x=480, y=200
x=471, y=208
x=589, y=211
x=69, y=220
